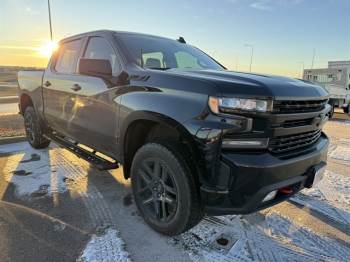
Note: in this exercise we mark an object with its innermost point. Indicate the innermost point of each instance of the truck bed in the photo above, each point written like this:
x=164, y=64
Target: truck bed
x=30, y=80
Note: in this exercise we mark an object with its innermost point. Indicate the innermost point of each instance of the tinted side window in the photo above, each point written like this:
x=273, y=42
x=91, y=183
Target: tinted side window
x=99, y=48
x=67, y=57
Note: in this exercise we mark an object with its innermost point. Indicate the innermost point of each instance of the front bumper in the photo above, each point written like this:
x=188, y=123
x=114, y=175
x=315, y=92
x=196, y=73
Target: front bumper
x=253, y=175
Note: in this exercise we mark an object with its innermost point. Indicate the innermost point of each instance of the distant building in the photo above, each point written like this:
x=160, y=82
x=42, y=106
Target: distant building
x=335, y=79
x=339, y=64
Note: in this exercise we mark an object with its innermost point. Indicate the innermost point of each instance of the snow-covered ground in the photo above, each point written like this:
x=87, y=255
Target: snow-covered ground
x=108, y=247
x=41, y=171
x=331, y=197
x=332, y=194
x=270, y=235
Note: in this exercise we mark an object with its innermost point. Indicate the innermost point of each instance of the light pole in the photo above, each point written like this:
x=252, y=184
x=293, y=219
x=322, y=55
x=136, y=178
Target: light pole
x=251, y=57
x=48, y=5
x=303, y=64
x=313, y=58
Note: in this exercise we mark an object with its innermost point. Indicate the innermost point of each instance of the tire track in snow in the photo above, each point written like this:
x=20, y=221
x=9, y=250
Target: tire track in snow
x=258, y=237
x=62, y=171
x=105, y=208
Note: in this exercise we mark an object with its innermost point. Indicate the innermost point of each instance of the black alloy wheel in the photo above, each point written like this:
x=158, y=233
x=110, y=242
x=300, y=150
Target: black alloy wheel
x=33, y=129
x=165, y=188
x=156, y=189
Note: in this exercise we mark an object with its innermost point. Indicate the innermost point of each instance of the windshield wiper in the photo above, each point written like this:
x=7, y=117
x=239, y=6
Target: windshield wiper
x=159, y=68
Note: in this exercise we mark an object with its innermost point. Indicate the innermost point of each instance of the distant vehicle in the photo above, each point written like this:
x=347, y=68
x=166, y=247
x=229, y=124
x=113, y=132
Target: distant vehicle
x=193, y=137
x=336, y=80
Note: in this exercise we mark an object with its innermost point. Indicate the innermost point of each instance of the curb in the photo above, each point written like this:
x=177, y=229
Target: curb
x=13, y=139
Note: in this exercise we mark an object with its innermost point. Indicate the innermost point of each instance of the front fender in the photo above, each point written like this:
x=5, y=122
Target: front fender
x=180, y=106
x=188, y=113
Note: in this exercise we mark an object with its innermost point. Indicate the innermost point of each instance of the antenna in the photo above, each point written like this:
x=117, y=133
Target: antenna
x=181, y=40
x=313, y=59
x=48, y=5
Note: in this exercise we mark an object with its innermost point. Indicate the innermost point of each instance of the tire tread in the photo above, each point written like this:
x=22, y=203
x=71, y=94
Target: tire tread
x=40, y=141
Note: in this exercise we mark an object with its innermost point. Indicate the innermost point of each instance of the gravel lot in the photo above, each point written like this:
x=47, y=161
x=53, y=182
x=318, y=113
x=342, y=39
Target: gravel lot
x=11, y=125
x=56, y=207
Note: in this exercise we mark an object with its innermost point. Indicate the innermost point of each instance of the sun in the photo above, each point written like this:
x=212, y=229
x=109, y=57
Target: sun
x=48, y=48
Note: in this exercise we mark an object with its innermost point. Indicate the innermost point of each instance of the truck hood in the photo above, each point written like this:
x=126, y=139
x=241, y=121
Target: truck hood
x=231, y=83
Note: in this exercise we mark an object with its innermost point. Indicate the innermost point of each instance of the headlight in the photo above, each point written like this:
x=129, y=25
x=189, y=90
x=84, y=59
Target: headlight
x=229, y=105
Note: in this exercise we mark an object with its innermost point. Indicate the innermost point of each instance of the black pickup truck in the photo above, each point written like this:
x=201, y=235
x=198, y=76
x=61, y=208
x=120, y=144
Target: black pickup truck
x=193, y=137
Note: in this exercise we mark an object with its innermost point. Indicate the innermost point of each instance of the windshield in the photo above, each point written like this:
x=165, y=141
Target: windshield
x=161, y=53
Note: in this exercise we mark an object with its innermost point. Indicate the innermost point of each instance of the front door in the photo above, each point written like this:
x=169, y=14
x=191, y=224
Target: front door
x=96, y=113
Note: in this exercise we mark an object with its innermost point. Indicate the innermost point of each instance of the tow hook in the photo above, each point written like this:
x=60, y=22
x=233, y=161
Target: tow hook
x=286, y=190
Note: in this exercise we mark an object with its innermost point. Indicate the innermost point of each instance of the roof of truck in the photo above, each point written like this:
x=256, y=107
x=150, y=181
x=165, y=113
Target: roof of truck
x=107, y=31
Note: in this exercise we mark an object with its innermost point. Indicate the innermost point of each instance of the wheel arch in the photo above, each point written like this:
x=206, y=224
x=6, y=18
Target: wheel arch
x=145, y=126
x=25, y=101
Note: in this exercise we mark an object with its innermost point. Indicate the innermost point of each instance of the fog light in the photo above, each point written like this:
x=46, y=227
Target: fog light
x=248, y=143
x=270, y=196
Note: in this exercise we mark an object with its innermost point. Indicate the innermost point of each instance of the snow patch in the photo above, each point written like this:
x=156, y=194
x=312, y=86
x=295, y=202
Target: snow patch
x=336, y=189
x=341, y=152
x=331, y=197
x=41, y=172
x=107, y=247
x=258, y=237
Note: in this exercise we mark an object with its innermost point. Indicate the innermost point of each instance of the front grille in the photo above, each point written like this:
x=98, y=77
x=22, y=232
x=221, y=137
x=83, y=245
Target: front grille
x=288, y=143
x=294, y=106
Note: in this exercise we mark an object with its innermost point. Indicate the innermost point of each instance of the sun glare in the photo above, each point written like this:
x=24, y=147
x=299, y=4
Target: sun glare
x=48, y=48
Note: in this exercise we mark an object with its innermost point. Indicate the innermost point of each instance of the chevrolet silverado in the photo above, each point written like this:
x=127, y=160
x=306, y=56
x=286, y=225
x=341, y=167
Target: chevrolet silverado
x=193, y=137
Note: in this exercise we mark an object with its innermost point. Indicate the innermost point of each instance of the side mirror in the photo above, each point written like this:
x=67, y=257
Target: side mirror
x=95, y=67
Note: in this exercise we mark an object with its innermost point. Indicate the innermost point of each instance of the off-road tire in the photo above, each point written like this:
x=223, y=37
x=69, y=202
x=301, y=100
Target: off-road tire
x=171, y=157
x=34, y=130
x=331, y=112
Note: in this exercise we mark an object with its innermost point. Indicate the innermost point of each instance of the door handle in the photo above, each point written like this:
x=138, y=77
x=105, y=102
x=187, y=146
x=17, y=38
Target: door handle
x=47, y=83
x=76, y=87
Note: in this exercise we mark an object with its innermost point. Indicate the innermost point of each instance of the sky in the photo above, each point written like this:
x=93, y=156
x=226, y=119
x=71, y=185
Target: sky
x=284, y=33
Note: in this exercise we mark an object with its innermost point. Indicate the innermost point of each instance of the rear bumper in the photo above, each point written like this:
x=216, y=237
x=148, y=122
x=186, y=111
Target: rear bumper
x=252, y=176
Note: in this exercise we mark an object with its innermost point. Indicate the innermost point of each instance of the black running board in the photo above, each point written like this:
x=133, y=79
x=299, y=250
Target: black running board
x=99, y=162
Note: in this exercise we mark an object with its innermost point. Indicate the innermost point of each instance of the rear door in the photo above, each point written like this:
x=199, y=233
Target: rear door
x=58, y=81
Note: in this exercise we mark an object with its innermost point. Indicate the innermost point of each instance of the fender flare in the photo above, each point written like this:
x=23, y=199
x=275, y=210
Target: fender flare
x=149, y=116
